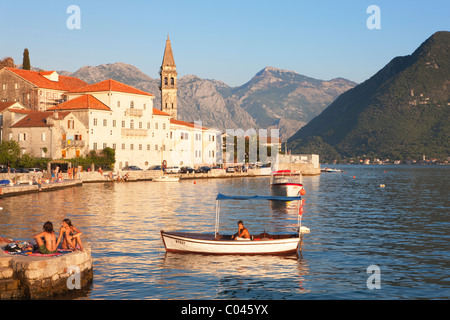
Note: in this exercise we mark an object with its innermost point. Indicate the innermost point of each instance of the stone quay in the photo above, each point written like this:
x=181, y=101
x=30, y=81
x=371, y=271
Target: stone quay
x=42, y=277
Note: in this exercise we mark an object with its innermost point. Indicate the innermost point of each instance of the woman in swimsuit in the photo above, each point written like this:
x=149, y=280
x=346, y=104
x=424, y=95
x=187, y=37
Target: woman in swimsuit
x=72, y=236
x=48, y=245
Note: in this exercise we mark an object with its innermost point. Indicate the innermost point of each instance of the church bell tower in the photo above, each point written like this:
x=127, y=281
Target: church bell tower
x=168, y=85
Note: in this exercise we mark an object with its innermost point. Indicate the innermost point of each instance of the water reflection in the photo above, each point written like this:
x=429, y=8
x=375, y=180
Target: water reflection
x=403, y=228
x=243, y=277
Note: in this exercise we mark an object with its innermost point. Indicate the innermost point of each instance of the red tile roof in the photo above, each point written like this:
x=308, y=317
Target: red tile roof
x=5, y=105
x=86, y=101
x=110, y=85
x=186, y=124
x=64, y=83
x=160, y=113
x=39, y=119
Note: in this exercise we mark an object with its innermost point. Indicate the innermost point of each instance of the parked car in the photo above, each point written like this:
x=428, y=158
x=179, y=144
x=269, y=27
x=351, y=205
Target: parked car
x=187, y=170
x=174, y=169
x=230, y=169
x=35, y=169
x=203, y=169
x=131, y=168
x=156, y=167
x=22, y=170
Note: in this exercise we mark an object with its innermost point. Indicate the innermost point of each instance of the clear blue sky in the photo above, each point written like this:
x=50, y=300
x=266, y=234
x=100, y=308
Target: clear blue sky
x=225, y=40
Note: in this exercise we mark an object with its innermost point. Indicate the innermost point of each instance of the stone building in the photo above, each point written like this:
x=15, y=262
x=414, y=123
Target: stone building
x=45, y=134
x=35, y=90
x=64, y=117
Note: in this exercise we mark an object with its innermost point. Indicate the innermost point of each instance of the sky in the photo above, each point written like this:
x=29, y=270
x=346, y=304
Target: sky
x=228, y=41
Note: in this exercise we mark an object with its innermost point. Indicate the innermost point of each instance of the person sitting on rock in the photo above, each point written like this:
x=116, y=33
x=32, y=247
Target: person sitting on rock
x=48, y=245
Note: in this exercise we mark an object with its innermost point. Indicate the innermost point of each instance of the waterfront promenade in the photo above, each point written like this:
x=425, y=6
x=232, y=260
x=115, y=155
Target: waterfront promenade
x=23, y=182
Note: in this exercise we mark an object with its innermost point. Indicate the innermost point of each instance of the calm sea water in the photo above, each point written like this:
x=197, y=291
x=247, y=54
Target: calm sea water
x=403, y=229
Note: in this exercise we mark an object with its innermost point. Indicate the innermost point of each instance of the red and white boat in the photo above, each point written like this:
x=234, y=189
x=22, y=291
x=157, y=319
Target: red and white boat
x=286, y=183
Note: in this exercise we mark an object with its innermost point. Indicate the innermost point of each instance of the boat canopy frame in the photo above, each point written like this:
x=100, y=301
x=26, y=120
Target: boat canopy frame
x=221, y=196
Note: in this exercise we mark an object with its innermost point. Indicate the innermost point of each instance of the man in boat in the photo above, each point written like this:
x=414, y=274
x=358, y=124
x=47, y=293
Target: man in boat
x=242, y=233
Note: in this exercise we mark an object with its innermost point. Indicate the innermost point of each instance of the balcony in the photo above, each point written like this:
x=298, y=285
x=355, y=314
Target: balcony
x=133, y=112
x=134, y=132
x=72, y=144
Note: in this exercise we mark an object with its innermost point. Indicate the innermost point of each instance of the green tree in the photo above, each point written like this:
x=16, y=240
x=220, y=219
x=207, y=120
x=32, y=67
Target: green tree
x=26, y=60
x=9, y=152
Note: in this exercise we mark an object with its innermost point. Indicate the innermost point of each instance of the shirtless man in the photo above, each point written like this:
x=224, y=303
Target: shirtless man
x=49, y=237
x=242, y=233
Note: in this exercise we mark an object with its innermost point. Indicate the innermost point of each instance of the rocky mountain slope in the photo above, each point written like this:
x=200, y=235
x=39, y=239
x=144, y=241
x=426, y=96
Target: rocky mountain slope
x=402, y=111
x=273, y=98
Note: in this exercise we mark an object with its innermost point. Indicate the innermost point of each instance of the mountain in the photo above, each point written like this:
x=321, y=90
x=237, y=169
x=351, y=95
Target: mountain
x=401, y=111
x=273, y=98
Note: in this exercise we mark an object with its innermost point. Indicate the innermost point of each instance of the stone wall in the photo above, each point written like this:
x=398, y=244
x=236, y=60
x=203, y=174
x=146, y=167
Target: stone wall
x=31, y=277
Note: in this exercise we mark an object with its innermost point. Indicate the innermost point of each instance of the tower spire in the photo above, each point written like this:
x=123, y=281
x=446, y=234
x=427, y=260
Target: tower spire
x=168, y=55
x=169, y=82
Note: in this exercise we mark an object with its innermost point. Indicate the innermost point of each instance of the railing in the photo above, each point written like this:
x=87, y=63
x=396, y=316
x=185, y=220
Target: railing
x=72, y=143
x=135, y=132
x=134, y=112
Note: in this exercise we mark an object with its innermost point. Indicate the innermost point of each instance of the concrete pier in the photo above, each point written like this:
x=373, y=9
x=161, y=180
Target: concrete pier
x=24, y=188
x=37, y=277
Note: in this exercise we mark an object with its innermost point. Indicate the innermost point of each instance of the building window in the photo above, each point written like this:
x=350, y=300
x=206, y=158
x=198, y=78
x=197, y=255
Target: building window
x=165, y=80
x=140, y=146
x=105, y=122
x=114, y=146
x=70, y=124
x=172, y=81
x=156, y=147
x=4, y=86
x=104, y=145
x=164, y=126
x=95, y=121
x=43, y=136
x=16, y=86
x=114, y=123
x=42, y=153
x=118, y=104
x=95, y=145
x=123, y=146
x=148, y=147
x=131, y=146
x=145, y=106
x=131, y=104
x=123, y=123
x=156, y=125
x=148, y=125
x=131, y=124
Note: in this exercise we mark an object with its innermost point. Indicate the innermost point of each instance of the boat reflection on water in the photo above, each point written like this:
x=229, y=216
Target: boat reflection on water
x=289, y=207
x=238, y=276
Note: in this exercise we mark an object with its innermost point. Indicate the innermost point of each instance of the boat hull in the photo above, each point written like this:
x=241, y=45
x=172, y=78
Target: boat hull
x=286, y=189
x=205, y=244
x=166, y=179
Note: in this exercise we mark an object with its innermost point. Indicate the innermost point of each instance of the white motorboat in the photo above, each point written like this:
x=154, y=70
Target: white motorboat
x=215, y=243
x=166, y=179
x=286, y=183
x=330, y=170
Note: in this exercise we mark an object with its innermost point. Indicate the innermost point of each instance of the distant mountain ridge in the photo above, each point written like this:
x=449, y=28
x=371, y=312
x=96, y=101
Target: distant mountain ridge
x=272, y=99
x=401, y=111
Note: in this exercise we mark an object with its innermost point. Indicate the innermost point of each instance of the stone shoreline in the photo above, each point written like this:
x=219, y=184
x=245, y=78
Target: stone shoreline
x=37, y=277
